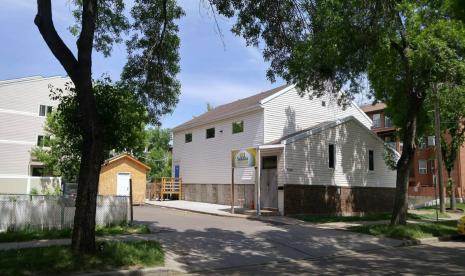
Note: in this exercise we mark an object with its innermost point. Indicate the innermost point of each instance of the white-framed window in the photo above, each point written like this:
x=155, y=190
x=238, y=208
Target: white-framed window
x=422, y=143
x=422, y=166
x=376, y=120
x=237, y=127
x=43, y=141
x=44, y=110
x=387, y=121
x=431, y=141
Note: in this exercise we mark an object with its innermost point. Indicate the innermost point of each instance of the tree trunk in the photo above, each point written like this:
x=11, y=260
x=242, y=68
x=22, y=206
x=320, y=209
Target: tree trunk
x=83, y=239
x=399, y=212
x=453, y=205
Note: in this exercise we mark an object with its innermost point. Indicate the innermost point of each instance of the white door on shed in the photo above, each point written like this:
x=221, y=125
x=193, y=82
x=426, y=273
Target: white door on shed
x=122, y=184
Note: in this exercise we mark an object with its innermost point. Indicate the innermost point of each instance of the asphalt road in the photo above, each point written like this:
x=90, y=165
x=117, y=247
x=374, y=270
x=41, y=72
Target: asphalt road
x=205, y=244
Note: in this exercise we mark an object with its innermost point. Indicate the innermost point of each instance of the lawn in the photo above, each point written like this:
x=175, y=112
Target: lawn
x=60, y=260
x=30, y=234
x=411, y=231
x=367, y=217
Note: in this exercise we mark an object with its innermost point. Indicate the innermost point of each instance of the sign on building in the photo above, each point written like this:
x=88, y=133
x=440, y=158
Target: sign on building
x=244, y=158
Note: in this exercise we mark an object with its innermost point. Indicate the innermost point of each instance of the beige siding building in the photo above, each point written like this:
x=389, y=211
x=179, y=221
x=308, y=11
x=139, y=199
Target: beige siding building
x=294, y=137
x=24, y=104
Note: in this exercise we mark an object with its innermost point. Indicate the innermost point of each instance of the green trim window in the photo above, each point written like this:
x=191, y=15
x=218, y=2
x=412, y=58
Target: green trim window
x=188, y=137
x=210, y=133
x=237, y=127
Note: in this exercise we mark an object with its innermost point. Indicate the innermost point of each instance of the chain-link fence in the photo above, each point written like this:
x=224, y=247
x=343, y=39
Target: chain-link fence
x=56, y=212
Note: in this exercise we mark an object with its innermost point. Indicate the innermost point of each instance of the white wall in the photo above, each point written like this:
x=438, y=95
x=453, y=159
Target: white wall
x=306, y=160
x=20, y=123
x=208, y=161
x=288, y=113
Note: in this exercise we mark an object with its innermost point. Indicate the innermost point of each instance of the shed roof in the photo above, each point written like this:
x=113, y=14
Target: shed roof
x=128, y=157
x=223, y=111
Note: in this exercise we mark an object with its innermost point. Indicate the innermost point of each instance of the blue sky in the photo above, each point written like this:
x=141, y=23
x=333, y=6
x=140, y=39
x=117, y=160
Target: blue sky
x=210, y=71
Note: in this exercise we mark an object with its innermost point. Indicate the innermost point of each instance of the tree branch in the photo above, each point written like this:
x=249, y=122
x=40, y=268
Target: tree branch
x=44, y=23
x=86, y=37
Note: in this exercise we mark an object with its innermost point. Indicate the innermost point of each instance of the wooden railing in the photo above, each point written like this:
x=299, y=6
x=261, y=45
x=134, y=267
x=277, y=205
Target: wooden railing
x=167, y=186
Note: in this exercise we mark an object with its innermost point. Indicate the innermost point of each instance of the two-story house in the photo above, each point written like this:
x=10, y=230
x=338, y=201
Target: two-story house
x=313, y=156
x=424, y=168
x=24, y=105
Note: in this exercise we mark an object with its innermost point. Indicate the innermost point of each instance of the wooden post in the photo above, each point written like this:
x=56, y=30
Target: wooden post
x=232, y=190
x=130, y=200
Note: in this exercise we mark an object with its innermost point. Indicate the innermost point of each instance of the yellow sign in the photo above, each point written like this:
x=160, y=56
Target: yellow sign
x=244, y=158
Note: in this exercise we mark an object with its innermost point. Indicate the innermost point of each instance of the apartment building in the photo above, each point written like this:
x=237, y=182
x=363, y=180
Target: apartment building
x=24, y=105
x=424, y=170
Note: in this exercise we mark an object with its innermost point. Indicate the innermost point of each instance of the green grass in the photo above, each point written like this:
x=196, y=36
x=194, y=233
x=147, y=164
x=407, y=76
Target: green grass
x=60, y=260
x=410, y=231
x=30, y=234
x=367, y=217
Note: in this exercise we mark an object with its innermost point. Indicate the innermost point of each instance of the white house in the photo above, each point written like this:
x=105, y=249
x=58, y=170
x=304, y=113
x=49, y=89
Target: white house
x=24, y=105
x=314, y=156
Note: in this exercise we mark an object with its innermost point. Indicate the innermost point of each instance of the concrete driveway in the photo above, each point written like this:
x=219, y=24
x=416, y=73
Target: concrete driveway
x=204, y=243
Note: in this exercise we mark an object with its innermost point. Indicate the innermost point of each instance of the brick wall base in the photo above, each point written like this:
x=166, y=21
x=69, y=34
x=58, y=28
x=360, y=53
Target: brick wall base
x=329, y=200
x=220, y=193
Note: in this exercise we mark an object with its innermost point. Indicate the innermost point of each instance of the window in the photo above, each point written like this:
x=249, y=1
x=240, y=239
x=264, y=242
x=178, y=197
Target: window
x=237, y=127
x=323, y=103
x=43, y=141
x=371, y=161
x=332, y=157
x=376, y=120
x=422, y=143
x=269, y=162
x=387, y=121
x=44, y=110
x=431, y=141
x=188, y=137
x=211, y=133
x=422, y=166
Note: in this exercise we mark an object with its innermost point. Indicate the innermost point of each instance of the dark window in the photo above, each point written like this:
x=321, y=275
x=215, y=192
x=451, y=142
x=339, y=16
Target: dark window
x=38, y=171
x=237, y=127
x=44, y=110
x=269, y=162
x=211, y=133
x=371, y=161
x=323, y=103
x=188, y=137
x=332, y=157
x=43, y=141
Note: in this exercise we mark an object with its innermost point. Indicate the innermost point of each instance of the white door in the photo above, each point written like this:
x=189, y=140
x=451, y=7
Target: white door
x=122, y=184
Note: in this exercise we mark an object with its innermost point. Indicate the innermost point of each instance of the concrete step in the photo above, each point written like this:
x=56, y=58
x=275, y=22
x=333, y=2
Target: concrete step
x=265, y=213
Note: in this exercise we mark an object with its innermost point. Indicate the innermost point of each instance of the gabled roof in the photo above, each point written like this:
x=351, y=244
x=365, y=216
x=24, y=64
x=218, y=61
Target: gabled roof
x=373, y=107
x=123, y=156
x=230, y=109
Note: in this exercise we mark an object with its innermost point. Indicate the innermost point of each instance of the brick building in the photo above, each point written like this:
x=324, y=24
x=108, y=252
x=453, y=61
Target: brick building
x=423, y=171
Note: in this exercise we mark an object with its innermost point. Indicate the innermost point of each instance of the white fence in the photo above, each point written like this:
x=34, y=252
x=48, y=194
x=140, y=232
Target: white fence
x=56, y=212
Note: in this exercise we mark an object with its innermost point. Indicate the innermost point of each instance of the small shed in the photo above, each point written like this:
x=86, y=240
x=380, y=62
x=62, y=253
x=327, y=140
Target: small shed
x=116, y=174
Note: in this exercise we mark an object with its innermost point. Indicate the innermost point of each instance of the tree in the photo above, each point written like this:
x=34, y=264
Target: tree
x=402, y=47
x=123, y=117
x=158, y=156
x=150, y=71
x=452, y=102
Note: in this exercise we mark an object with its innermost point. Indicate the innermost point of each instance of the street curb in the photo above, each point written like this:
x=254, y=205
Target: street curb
x=202, y=212
x=134, y=272
x=430, y=240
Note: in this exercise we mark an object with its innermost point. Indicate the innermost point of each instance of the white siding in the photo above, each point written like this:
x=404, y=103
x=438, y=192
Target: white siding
x=20, y=123
x=208, y=161
x=306, y=160
x=288, y=113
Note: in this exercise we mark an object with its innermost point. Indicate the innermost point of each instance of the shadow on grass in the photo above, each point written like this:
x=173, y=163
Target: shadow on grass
x=60, y=260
